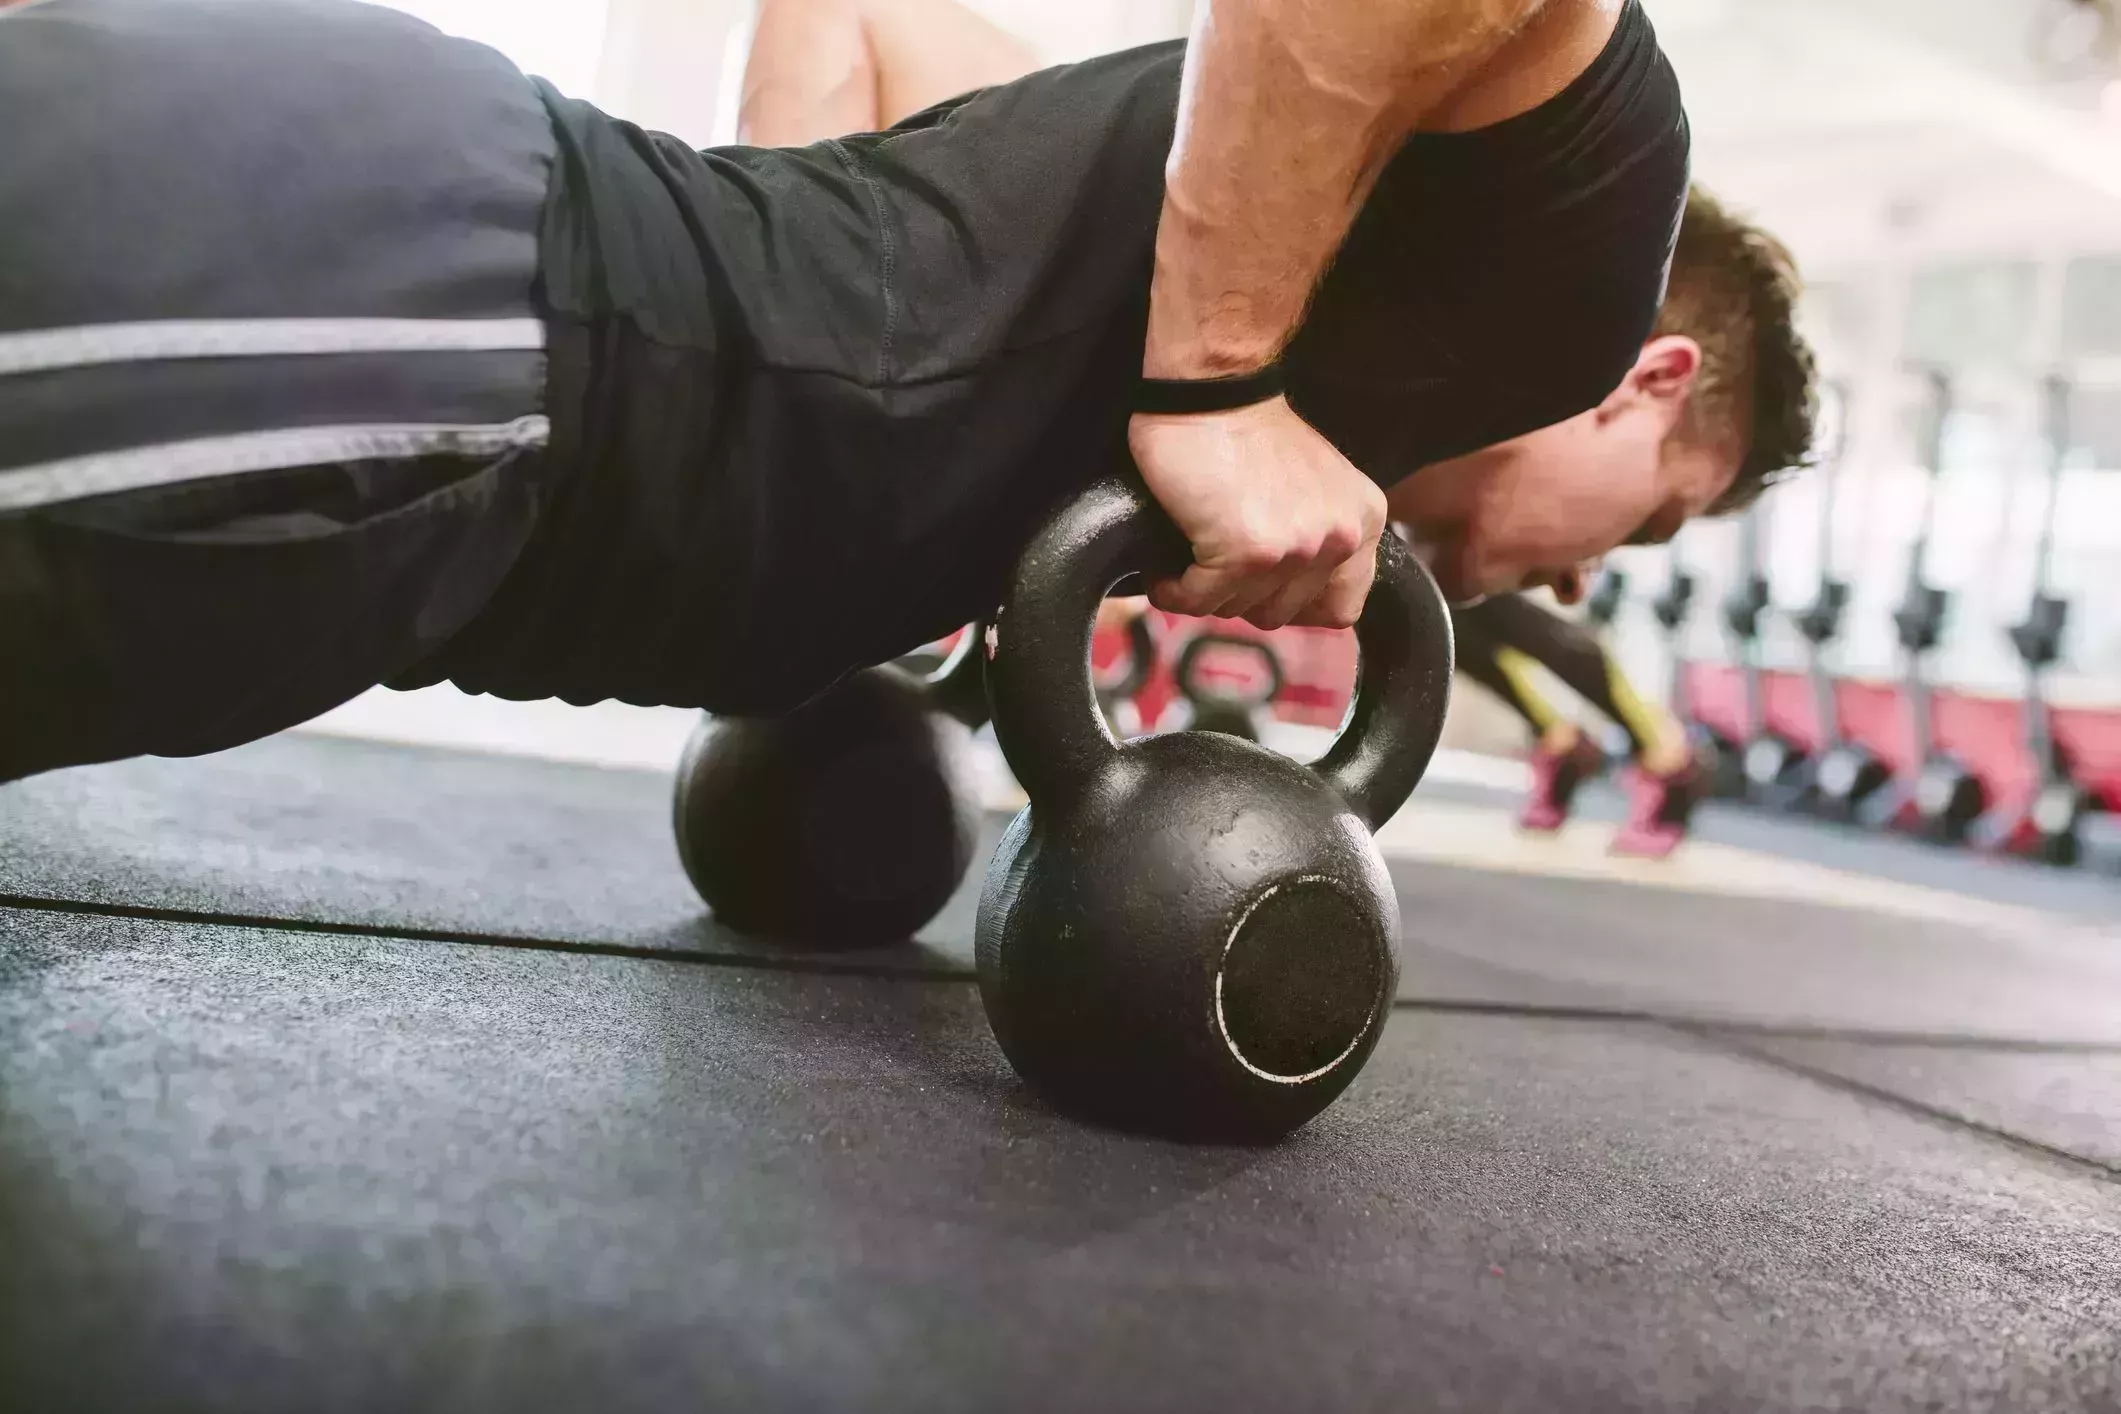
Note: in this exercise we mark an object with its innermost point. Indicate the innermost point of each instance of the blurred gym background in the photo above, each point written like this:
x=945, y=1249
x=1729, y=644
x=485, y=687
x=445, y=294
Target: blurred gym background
x=1948, y=173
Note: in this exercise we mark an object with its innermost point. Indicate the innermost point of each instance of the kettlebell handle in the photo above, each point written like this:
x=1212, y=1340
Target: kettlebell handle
x=1038, y=670
x=956, y=685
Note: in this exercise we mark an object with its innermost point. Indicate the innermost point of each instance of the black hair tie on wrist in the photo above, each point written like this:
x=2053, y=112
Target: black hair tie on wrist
x=1185, y=395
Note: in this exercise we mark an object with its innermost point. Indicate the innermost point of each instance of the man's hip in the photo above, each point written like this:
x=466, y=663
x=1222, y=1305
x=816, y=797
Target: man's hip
x=272, y=370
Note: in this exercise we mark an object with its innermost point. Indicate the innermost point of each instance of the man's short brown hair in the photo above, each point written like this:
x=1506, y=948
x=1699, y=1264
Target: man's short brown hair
x=1733, y=290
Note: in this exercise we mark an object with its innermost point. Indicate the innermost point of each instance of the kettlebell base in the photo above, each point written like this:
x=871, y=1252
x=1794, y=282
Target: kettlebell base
x=1302, y=978
x=1204, y=1126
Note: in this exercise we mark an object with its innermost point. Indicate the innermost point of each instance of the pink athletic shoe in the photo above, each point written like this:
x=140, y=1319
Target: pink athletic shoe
x=1660, y=809
x=1555, y=777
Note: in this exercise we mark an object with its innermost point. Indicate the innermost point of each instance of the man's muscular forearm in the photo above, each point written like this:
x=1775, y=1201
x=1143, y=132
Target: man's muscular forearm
x=1288, y=111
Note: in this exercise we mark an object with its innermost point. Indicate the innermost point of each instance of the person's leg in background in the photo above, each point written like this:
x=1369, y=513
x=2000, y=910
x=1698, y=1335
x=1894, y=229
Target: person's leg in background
x=1562, y=758
x=822, y=68
x=1664, y=789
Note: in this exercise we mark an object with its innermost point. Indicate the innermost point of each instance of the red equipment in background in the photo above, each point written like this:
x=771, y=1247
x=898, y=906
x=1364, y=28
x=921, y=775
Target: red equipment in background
x=1987, y=733
x=1318, y=666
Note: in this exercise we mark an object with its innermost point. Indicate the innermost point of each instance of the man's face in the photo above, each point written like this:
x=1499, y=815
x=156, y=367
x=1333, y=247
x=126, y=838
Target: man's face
x=1542, y=508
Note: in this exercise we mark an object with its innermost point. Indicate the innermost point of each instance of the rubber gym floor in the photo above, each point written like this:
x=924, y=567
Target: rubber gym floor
x=337, y=1075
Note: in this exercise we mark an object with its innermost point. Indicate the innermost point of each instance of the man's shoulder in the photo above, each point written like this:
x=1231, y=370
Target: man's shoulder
x=1513, y=270
x=1554, y=42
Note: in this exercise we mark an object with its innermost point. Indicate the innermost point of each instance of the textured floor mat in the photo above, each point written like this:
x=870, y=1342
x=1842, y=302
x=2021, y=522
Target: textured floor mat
x=265, y=1170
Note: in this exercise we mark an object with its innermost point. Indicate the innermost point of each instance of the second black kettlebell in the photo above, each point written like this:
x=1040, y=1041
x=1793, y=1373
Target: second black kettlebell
x=848, y=822
x=1191, y=934
x=1214, y=709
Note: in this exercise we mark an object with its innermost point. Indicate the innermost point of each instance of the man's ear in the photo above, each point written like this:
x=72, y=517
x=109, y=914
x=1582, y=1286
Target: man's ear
x=1667, y=367
x=1663, y=374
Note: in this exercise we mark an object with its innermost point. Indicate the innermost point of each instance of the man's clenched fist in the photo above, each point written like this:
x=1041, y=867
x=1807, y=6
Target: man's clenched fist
x=1283, y=529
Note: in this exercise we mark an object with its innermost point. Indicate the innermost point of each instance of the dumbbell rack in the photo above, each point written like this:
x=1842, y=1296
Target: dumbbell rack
x=1769, y=765
x=1941, y=798
x=2049, y=827
x=1670, y=608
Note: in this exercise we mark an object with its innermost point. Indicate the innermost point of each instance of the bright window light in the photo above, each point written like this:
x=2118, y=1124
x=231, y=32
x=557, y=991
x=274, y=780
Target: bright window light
x=559, y=40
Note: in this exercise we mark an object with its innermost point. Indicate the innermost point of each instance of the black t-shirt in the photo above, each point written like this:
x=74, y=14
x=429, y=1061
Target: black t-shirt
x=809, y=404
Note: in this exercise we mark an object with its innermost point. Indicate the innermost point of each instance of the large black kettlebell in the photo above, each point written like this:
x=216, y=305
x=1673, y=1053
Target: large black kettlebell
x=1189, y=933
x=848, y=822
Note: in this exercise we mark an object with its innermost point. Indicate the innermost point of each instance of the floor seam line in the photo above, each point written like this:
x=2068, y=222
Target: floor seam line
x=2097, y=1168
x=466, y=938
x=1710, y=1027
x=1741, y=1027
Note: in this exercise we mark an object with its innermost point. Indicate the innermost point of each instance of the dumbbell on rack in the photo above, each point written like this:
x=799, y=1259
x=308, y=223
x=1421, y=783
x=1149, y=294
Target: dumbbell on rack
x=1602, y=605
